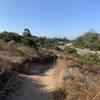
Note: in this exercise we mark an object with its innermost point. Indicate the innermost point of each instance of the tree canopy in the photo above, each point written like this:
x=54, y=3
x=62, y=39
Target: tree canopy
x=89, y=40
x=27, y=33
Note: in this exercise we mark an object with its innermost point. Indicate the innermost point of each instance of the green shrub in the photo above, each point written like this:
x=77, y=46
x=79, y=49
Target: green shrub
x=9, y=36
x=69, y=50
x=91, y=59
x=90, y=40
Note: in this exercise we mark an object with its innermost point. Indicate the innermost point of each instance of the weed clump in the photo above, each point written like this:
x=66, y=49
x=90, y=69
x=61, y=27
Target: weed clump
x=69, y=50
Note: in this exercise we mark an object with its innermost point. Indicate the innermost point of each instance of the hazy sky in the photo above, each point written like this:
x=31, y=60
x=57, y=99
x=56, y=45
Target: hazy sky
x=51, y=18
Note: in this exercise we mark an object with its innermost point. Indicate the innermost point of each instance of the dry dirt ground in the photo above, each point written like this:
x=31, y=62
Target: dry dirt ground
x=36, y=86
x=43, y=80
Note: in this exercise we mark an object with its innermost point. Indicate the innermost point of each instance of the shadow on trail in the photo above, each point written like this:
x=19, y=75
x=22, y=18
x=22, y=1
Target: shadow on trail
x=40, y=69
x=31, y=86
x=31, y=90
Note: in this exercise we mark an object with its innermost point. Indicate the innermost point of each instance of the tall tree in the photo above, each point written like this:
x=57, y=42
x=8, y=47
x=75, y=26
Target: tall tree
x=27, y=33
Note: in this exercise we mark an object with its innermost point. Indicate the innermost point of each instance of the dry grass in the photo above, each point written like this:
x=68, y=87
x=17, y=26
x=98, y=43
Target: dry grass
x=14, y=57
x=16, y=53
x=18, y=57
x=75, y=83
x=82, y=91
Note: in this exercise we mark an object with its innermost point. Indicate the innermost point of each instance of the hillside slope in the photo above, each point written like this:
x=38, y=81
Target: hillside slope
x=16, y=58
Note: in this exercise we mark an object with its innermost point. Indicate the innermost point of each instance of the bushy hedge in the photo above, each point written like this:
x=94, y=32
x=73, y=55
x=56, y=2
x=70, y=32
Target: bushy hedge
x=9, y=36
x=69, y=50
x=91, y=59
x=90, y=40
x=30, y=41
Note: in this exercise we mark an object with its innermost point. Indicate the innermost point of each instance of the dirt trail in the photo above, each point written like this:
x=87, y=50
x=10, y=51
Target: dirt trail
x=37, y=87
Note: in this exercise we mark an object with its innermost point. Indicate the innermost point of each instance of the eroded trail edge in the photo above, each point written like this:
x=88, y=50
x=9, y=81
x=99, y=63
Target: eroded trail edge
x=37, y=86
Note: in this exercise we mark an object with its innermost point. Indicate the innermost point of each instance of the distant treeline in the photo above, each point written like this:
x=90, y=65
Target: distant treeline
x=90, y=40
x=33, y=41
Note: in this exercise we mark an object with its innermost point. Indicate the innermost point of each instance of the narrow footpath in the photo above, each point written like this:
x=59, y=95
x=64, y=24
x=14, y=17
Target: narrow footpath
x=37, y=86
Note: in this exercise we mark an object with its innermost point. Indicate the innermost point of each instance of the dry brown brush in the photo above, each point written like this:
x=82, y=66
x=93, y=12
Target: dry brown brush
x=74, y=83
